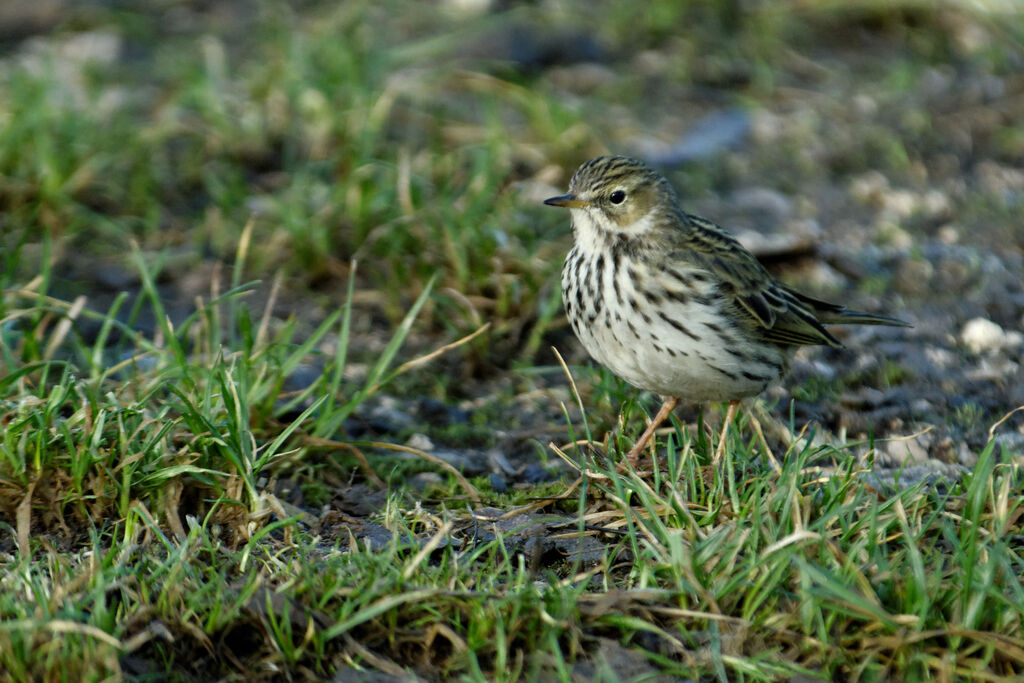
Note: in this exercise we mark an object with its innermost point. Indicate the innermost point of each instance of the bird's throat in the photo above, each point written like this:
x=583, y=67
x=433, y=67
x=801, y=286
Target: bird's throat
x=596, y=232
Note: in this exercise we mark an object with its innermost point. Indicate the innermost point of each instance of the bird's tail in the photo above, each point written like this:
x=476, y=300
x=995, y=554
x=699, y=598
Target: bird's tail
x=833, y=314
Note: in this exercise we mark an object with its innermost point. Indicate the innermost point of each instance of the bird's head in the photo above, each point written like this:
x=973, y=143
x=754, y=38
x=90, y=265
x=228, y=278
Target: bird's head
x=616, y=195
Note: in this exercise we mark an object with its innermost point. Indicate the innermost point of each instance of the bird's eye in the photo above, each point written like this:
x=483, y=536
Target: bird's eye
x=617, y=197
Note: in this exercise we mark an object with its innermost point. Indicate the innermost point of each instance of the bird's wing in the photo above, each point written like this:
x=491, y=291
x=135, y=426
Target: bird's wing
x=783, y=317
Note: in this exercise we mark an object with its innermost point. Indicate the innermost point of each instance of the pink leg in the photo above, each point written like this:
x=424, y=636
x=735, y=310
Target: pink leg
x=730, y=414
x=666, y=409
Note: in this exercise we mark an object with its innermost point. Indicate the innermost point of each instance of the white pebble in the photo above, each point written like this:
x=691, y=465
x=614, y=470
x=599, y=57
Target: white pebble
x=420, y=441
x=981, y=335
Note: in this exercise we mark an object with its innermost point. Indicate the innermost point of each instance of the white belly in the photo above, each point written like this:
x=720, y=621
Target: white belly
x=678, y=346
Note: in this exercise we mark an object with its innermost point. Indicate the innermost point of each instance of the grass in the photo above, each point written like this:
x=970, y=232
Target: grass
x=755, y=574
x=358, y=206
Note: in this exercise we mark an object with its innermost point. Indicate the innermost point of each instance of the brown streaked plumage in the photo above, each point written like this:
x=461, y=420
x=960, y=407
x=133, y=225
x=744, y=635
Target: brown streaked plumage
x=672, y=303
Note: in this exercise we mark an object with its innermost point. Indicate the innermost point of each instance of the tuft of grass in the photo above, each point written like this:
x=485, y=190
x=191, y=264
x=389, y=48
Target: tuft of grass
x=186, y=561
x=833, y=579
x=329, y=144
x=151, y=451
x=109, y=426
x=748, y=573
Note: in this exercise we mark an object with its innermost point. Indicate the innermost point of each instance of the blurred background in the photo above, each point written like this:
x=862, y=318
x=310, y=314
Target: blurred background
x=871, y=153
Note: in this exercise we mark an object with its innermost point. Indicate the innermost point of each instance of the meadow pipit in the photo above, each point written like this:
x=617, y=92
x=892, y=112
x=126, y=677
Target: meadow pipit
x=673, y=304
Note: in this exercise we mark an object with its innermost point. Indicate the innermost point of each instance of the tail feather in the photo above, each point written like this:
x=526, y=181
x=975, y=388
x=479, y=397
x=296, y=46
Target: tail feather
x=833, y=314
x=845, y=316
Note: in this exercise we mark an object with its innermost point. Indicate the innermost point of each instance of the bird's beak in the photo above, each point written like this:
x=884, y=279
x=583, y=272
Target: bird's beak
x=569, y=201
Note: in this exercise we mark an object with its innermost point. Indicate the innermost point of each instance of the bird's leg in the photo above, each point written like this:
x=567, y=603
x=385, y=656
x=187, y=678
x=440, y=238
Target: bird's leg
x=756, y=424
x=666, y=409
x=730, y=414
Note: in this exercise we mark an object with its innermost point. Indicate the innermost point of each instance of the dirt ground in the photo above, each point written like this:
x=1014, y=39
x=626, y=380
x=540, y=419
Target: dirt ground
x=934, y=237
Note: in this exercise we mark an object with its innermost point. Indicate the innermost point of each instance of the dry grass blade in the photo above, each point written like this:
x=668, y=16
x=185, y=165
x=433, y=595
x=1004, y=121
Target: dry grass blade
x=423, y=360
x=795, y=537
x=62, y=626
x=756, y=424
x=428, y=548
x=588, y=472
x=379, y=607
x=470, y=490
x=572, y=382
x=23, y=517
x=434, y=630
x=1011, y=648
x=561, y=454
x=380, y=663
x=262, y=331
x=155, y=629
x=364, y=464
x=1004, y=418
x=60, y=331
x=680, y=613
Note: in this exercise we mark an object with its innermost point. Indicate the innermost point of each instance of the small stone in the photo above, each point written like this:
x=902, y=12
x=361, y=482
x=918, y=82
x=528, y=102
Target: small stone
x=997, y=180
x=467, y=462
x=766, y=126
x=865, y=105
x=981, y=335
x=789, y=244
x=535, y=474
x=424, y=480
x=900, y=203
x=865, y=397
x=948, y=234
x=355, y=372
x=498, y=462
x=905, y=451
x=420, y=442
x=303, y=376
x=386, y=416
x=913, y=277
x=993, y=368
x=940, y=357
x=470, y=7
x=935, y=204
x=709, y=137
x=869, y=187
x=965, y=455
x=893, y=234
x=763, y=200
x=115, y=278
x=498, y=484
x=438, y=413
x=581, y=78
x=374, y=537
x=1010, y=444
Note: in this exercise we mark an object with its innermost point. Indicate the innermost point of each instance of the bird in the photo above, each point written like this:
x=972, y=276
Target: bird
x=674, y=304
